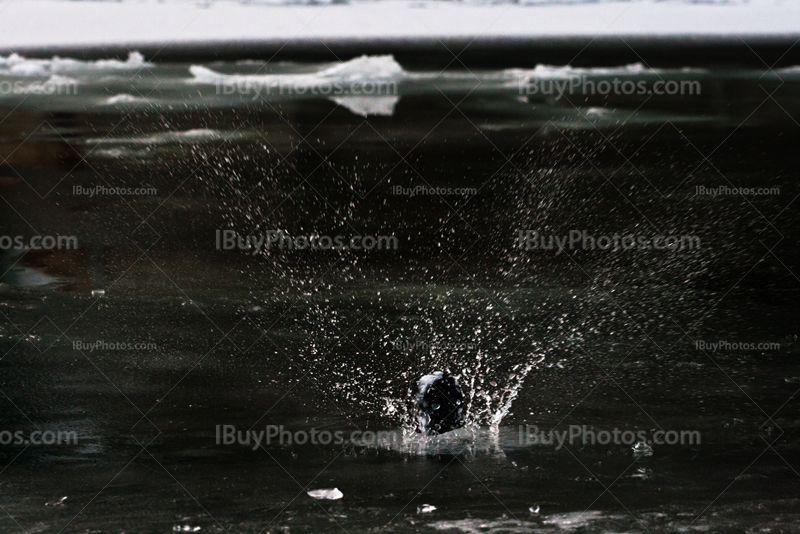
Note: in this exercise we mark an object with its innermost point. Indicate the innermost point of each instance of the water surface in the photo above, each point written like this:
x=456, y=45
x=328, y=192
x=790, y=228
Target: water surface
x=329, y=340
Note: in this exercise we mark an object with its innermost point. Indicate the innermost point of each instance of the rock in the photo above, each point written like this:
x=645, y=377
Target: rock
x=436, y=404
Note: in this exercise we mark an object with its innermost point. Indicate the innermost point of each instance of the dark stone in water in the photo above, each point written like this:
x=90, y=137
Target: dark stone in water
x=437, y=405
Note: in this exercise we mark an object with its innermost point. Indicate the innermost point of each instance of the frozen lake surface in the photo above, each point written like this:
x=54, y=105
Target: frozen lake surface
x=40, y=23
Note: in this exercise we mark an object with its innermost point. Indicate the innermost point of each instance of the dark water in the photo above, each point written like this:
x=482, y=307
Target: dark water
x=328, y=340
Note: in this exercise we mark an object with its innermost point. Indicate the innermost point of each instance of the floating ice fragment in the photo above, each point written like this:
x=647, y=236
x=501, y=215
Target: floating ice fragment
x=425, y=509
x=59, y=502
x=20, y=66
x=643, y=473
x=365, y=68
x=366, y=85
x=124, y=98
x=355, y=71
x=642, y=449
x=98, y=292
x=327, y=494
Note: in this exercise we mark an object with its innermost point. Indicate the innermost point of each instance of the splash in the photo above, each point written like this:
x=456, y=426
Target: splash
x=489, y=403
x=486, y=407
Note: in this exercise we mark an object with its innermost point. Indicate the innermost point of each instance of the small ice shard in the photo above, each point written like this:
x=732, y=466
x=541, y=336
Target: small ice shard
x=368, y=105
x=98, y=293
x=437, y=405
x=59, y=502
x=643, y=473
x=534, y=509
x=327, y=494
x=425, y=509
x=124, y=98
x=642, y=449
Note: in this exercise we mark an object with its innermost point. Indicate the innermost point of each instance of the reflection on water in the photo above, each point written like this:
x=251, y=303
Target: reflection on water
x=144, y=168
x=16, y=274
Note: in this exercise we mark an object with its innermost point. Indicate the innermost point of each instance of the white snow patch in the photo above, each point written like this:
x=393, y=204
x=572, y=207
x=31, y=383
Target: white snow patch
x=40, y=23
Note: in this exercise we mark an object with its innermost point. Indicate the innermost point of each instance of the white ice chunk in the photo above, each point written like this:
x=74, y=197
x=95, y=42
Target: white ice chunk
x=326, y=494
